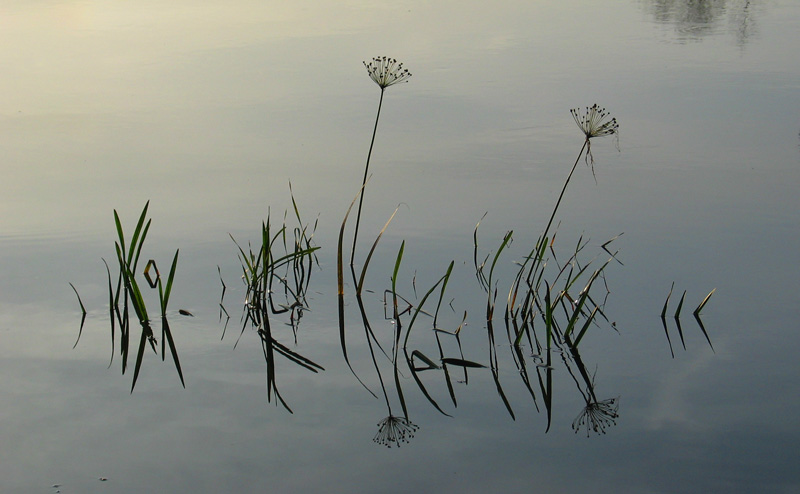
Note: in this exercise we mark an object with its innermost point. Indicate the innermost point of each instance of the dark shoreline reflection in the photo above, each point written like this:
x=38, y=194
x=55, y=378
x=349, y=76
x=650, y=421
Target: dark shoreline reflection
x=693, y=20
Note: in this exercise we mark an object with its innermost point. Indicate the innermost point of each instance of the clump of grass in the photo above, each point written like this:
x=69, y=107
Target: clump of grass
x=128, y=296
x=281, y=265
x=677, y=319
x=128, y=260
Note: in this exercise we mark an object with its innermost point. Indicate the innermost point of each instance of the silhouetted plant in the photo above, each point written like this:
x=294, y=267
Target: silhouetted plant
x=129, y=294
x=395, y=431
x=278, y=266
x=597, y=416
x=386, y=72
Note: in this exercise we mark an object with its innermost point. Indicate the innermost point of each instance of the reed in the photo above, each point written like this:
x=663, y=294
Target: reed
x=128, y=294
x=280, y=265
x=677, y=319
x=385, y=72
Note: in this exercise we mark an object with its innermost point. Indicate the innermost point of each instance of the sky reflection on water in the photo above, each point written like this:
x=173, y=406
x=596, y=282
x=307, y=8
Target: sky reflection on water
x=209, y=111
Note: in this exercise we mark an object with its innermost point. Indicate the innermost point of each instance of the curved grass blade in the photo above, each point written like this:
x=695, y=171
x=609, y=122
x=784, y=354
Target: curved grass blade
x=680, y=306
x=441, y=293
x=83, y=315
x=431, y=365
x=360, y=285
x=340, y=289
x=703, y=329
x=419, y=309
x=395, y=314
x=703, y=303
x=666, y=302
x=479, y=267
x=421, y=386
x=296, y=357
x=111, y=306
x=502, y=394
x=680, y=331
x=669, y=340
x=140, y=353
x=168, y=289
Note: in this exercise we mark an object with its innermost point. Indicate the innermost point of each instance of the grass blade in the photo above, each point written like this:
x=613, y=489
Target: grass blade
x=83, y=315
x=703, y=303
x=666, y=302
x=680, y=306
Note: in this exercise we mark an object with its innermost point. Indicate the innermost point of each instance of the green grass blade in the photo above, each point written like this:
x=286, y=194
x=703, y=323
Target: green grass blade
x=418, y=309
x=340, y=281
x=585, y=327
x=111, y=306
x=170, y=279
x=135, y=242
x=120, y=234
x=680, y=305
x=395, y=314
x=666, y=302
x=360, y=286
x=441, y=292
x=703, y=303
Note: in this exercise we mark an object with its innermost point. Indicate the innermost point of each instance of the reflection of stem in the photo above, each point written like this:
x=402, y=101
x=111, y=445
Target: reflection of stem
x=366, y=174
x=378, y=371
x=576, y=357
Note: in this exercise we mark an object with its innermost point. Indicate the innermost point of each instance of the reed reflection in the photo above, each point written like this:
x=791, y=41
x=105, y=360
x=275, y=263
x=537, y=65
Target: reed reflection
x=128, y=294
x=280, y=266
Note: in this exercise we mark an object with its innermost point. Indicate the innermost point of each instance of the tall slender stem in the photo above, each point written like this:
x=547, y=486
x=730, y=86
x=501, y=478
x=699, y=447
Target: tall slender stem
x=564, y=189
x=364, y=182
x=543, y=238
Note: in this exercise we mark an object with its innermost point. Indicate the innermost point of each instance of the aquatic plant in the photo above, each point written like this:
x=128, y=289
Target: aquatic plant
x=280, y=265
x=386, y=72
x=128, y=294
x=594, y=122
x=128, y=261
x=677, y=318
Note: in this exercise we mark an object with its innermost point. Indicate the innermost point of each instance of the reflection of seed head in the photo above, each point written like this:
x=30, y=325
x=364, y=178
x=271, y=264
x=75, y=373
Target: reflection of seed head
x=394, y=430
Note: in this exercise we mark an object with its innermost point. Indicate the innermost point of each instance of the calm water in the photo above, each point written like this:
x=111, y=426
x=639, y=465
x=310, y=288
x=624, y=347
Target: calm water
x=209, y=110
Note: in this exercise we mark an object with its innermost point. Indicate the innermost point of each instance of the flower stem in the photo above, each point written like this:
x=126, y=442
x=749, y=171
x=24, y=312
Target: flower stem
x=564, y=189
x=364, y=182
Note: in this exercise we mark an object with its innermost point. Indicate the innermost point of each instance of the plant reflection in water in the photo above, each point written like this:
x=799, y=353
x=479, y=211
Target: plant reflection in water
x=550, y=306
x=278, y=267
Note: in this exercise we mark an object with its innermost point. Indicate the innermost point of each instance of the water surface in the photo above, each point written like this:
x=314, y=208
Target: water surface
x=209, y=111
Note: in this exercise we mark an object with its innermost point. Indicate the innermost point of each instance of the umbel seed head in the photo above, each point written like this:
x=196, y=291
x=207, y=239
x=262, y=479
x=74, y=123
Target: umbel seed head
x=386, y=72
x=594, y=122
x=394, y=430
